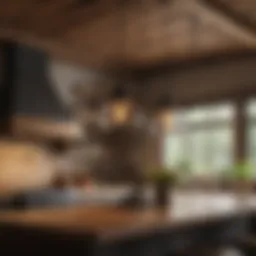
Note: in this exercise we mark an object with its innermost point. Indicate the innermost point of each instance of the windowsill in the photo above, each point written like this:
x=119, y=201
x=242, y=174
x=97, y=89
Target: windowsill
x=217, y=185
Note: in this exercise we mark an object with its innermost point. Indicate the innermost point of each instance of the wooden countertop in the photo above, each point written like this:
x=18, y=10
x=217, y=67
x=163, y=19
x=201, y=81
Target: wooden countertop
x=108, y=223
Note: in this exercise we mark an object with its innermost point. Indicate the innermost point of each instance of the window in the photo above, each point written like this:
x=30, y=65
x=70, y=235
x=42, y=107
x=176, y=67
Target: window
x=202, y=138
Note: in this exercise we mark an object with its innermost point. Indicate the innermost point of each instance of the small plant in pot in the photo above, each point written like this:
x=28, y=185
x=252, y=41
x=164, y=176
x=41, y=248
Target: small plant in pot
x=237, y=177
x=242, y=176
x=163, y=180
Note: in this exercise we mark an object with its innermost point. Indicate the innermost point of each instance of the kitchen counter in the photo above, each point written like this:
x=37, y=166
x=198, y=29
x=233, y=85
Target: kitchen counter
x=191, y=218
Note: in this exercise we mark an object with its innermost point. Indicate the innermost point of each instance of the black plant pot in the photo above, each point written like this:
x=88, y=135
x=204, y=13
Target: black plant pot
x=163, y=192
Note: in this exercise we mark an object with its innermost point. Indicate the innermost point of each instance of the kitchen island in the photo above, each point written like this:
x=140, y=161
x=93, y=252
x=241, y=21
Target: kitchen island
x=192, y=221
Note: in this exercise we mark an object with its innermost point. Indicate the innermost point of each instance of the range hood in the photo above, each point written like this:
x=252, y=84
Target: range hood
x=29, y=105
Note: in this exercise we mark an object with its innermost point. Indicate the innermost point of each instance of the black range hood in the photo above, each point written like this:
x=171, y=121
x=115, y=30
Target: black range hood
x=26, y=91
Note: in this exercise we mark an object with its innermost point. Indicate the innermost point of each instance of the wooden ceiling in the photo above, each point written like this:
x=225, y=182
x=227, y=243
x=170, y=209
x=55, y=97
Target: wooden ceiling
x=115, y=33
x=241, y=11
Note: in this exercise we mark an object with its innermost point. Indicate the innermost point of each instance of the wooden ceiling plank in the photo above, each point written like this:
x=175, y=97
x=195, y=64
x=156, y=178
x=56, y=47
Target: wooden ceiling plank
x=82, y=18
x=54, y=48
x=45, y=16
x=241, y=12
x=81, y=34
x=12, y=10
x=247, y=36
x=60, y=17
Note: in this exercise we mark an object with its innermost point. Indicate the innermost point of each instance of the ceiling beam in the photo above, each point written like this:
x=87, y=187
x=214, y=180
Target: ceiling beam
x=51, y=18
x=227, y=13
x=54, y=48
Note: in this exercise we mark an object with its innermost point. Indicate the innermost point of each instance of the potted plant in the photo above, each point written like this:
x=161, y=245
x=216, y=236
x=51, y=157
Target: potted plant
x=163, y=181
x=242, y=176
x=237, y=177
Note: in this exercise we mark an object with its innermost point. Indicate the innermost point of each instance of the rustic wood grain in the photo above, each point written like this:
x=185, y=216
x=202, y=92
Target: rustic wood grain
x=108, y=223
x=109, y=34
